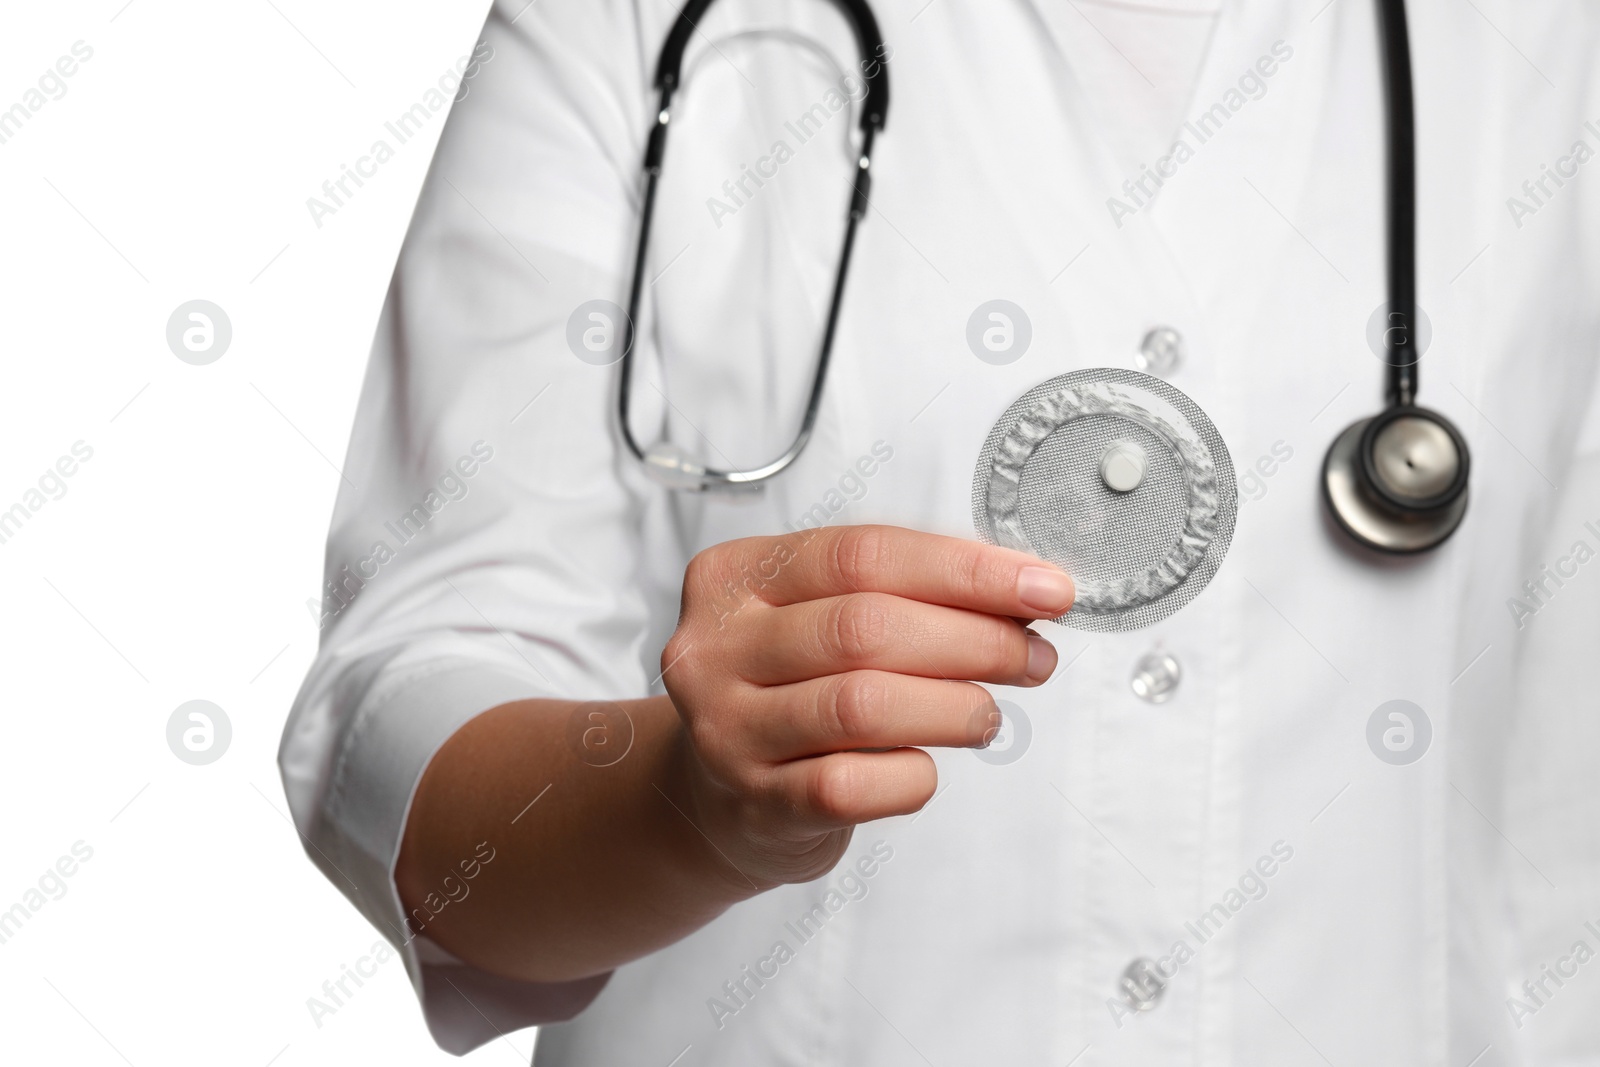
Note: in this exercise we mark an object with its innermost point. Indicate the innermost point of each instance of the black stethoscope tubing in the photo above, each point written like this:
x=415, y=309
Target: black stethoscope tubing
x=672, y=467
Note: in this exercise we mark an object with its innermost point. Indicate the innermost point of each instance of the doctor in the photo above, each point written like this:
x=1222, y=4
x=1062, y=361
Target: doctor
x=700, y=779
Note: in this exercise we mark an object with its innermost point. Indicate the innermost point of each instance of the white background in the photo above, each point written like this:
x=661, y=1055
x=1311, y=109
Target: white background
x=177, y=565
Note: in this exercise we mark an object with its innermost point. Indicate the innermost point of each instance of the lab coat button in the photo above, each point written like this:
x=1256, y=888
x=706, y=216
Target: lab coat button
x=1160, y=352
x=1142, y=985
x=1156, y=676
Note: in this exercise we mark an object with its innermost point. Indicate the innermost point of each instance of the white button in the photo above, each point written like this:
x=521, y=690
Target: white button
x=1123, y=466
x=1155, y=676
x=1160, y=352
x=1142, y=984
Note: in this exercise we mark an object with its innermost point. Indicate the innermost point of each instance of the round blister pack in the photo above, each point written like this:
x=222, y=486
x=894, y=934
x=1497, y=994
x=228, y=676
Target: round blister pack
x=1120, y=480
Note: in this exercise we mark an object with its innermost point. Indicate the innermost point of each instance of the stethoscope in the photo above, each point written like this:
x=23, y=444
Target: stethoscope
x=1396, y=482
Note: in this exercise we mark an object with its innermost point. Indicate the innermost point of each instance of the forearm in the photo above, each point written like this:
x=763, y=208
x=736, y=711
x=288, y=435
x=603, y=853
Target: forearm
x=604, y=867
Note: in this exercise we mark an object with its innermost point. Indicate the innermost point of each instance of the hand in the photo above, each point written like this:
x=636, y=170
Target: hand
x=805, y=667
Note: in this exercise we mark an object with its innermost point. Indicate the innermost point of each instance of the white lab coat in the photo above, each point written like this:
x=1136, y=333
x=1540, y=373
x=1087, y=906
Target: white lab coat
x=1404, y=905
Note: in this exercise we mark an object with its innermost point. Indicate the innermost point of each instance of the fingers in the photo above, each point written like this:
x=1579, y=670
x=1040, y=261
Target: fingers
x=847, y=788
x=816, y=564
x=877, y=631
x=869, y=709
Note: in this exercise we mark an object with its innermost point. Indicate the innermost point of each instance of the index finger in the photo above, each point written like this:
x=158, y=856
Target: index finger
x=835, y=561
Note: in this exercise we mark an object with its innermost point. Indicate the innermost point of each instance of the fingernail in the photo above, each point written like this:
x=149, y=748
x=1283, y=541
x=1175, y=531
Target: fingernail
x=1045, y=589
x=1041, y=659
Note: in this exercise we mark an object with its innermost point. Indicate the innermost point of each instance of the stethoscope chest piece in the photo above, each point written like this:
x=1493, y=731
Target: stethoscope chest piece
x=1397, y=482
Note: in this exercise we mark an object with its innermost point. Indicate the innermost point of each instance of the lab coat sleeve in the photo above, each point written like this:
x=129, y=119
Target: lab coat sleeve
x=485, y=546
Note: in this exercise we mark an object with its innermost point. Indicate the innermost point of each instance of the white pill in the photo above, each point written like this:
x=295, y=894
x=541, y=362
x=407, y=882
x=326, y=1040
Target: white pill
x=1123, y=466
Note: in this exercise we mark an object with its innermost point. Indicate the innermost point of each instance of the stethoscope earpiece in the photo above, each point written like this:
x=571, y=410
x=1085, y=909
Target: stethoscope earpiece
x=1397, y=482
